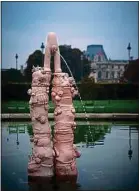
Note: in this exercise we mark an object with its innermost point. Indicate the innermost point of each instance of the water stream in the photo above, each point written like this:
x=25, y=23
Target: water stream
x=83, y=106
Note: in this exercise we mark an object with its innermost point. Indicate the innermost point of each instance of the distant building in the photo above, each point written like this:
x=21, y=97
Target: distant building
x=108, y=71
x=103, y=69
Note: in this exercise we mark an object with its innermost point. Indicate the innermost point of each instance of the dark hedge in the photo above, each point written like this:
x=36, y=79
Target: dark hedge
x=87, y=91
x=109, y=91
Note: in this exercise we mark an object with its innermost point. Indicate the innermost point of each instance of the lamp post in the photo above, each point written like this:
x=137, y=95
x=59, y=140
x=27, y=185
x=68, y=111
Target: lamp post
x=129, y=49
x=130, y=151
x=42, y=47
x=17, y=140
x=16, y=57
x=81, y=66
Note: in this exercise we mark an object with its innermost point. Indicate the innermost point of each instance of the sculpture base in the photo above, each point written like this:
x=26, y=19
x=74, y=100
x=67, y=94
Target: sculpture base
x=66, y=169
x=54, y=183
x=66, y=172
x=42, y=172
x=40, y=183
x=39, y=179
x=66, y=178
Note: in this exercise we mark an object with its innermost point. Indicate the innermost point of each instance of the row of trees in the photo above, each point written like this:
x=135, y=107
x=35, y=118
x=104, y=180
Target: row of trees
x=94, y=91
x=131, y=73
x=12, y=75
x=78, y=67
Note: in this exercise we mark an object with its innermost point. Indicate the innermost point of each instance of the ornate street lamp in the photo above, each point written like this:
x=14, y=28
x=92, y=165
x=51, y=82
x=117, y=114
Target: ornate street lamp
x=130, y=151
x=42, y=47
x=129, y=49
x=17, y=140
x=16, y=57
x=81, y=66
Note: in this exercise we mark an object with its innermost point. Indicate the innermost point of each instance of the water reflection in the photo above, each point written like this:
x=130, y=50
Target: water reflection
x=43, y=184
x=130, y=151
x=82, y=136
x=16, y=129
x=114, y=146
x=98, y=131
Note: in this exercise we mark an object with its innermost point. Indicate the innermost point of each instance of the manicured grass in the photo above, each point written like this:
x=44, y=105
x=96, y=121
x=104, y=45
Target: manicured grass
x=91, y=106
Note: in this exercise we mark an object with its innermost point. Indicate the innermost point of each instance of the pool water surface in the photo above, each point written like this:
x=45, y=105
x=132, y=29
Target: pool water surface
x=109, y=159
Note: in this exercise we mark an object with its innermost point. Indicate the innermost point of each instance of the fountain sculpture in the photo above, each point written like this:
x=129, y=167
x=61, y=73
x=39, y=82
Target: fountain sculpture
x=62, y=154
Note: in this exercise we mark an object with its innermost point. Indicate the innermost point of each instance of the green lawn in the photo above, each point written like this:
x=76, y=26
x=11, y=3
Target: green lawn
x=91, y=106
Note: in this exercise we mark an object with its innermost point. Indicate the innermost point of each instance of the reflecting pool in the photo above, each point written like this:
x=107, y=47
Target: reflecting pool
x=109, y=159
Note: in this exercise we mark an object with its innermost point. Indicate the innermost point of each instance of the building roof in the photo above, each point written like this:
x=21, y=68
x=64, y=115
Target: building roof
x=118, y=62
x=95, y=49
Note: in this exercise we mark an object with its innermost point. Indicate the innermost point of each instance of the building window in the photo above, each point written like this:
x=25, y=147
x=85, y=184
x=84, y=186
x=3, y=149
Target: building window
x=99, y=58
x=107, y=73
x=99, y=74
x=112, y=74
x=122, y=67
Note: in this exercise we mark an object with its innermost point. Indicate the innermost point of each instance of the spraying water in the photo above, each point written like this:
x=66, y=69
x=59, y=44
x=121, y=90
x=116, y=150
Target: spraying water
x=83, y=106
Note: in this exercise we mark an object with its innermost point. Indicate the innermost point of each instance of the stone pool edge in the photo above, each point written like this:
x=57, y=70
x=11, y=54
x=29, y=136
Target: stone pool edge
x=114, y=116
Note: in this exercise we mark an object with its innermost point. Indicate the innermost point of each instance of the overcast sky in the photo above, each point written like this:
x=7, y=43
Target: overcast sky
x=25, y=26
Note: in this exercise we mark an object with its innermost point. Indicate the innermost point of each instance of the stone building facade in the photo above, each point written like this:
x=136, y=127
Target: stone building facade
x=102, y=68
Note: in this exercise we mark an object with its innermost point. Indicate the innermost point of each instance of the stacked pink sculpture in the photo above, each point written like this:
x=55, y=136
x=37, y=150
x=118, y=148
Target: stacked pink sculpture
x=41, y=163
x=65, y=152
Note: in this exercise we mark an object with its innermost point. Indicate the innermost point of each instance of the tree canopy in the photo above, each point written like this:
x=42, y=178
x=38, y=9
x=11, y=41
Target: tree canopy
x=131, y=73
x=35, y=59
x=78, y=67
x=12, y=75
